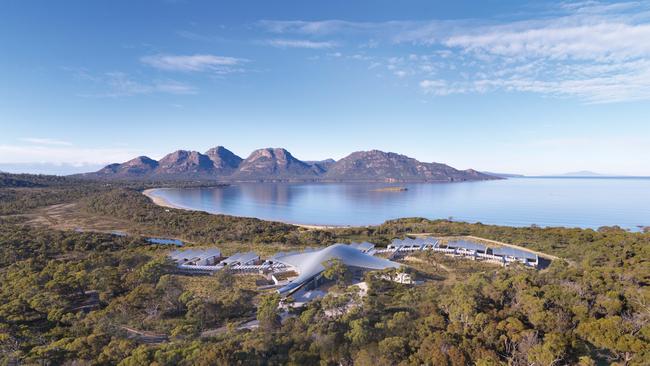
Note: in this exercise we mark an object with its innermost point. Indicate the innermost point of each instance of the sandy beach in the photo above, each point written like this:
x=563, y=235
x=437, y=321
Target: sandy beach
x=159, y=200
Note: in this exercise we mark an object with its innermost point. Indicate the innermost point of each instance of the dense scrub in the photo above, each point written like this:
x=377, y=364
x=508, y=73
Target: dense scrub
x=8, y=180
x=20, y=193
x=201, y=227
x=70, y=297
x=569, y=314
x=514, y=317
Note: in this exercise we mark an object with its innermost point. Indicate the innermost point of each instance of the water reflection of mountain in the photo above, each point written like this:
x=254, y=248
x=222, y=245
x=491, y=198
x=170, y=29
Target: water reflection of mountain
x=269, y=196
x=360, y=193
x=545, y=202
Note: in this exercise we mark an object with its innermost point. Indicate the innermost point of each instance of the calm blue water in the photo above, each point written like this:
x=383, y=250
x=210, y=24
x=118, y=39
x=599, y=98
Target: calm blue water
x=570, y=202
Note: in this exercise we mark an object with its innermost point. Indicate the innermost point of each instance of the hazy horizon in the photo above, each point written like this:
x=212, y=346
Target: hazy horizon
x=542, y=88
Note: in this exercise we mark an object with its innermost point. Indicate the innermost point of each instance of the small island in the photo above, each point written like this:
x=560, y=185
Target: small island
x=391, y=189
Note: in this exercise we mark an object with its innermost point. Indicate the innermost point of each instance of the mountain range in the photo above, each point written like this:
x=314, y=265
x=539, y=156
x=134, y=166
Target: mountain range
x=277, y=164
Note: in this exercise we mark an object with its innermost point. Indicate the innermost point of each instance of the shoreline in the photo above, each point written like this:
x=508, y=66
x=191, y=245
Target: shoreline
x=159, y=201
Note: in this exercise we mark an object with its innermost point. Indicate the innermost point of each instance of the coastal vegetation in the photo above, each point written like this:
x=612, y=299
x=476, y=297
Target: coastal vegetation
x=100, y=299
x=194, y=226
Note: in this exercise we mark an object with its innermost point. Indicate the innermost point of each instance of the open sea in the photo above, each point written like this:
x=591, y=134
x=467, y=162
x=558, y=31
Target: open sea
x=569, y=202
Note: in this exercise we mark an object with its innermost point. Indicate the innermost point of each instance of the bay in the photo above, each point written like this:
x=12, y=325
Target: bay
x=568, y=202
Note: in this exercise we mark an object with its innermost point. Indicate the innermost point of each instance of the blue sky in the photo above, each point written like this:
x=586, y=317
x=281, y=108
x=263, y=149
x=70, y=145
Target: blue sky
x=533, y=88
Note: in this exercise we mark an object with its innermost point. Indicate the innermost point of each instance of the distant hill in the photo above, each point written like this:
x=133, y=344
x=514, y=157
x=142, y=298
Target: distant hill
x=278, y=164
x=140, y=166
x=15, y=181
x=582, y=173
x=216, y=163
x=377, y=165
x=11, y=180
x=183, y=163
x=223, y=159
x=274, y=164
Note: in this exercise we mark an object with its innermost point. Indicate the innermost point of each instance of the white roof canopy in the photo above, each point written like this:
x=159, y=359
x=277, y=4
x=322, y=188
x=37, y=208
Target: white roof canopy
x=310, y=264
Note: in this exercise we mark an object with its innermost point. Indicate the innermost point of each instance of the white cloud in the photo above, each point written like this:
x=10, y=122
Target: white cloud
x=195, y=63
x=299, y=43
x=603, y=41
x=400, y=73
x=45, y=141
x=593, y=51
x=324, y=27
x=442, y=87
x=119, y=84
x=432, y=85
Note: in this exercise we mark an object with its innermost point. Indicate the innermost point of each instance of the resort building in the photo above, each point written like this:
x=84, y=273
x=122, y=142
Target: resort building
x=197, y=261
x=463, y=247
x=241, y=259
x=309, y=265
x=196, y=257
x=476, y=251
x=365, y=246
x=510, y=255
x=411, y=244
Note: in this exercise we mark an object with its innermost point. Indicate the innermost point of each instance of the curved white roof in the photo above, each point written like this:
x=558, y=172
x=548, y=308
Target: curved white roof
x=310, y=264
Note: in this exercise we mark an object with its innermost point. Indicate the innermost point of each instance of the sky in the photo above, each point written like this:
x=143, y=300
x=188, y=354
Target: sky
x=537, y=87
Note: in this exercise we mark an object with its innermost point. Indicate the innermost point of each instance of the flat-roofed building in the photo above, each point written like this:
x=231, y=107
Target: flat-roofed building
x=412, y=244
x=516, y=255
x=196, y=257
x=241, y=259
x=466, y=247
